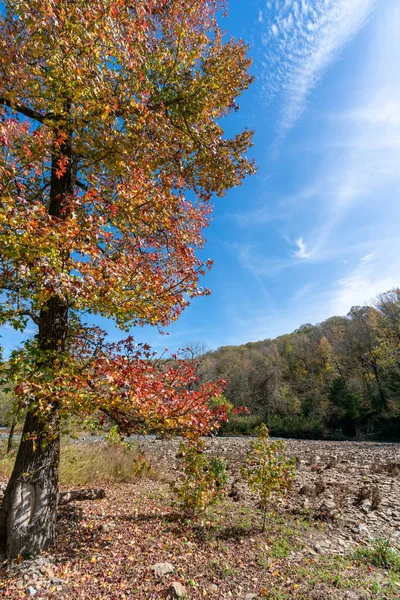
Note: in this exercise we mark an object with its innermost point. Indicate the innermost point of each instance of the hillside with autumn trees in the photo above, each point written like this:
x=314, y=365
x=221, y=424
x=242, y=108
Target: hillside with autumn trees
x=340, y=378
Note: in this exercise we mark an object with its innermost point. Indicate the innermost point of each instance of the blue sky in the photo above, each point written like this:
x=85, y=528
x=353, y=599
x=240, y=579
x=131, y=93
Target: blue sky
x=316, y=230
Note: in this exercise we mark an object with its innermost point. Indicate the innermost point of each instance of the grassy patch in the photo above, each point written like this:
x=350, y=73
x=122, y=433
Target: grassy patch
x=87, y=464
x=329, y=577
x=382, y=554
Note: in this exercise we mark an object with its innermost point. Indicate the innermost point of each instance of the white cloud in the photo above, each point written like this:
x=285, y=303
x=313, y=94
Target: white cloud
x=370, y=278
x=355, y=197
x=366, y=257
x=260, y=17
x=304, y=41
x=301, y=252
x=313, y=303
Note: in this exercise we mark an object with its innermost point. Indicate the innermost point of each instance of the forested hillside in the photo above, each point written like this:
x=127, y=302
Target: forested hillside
x=338, y=378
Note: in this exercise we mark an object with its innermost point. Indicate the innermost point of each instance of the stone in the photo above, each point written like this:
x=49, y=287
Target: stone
x=318, y=549
x=107, y=527
x=212, y=588
x=56, y=580
x=46, y=570
x=250, y=597
x=161, y=569
x=30, y=591
x=328, y=509
x=350, y=595
x=176, y=590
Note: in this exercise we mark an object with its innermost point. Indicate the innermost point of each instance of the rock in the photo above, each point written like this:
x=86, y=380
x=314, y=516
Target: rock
x=176, y=590
x=250, y=597
x=46, y=570
x=327, y=510
x=332, y=462
x=56, y=580
x=306, y=490
x=350, y=595
x=161, y=569
x=30, y=591
x=107, y=527
x=212, y=588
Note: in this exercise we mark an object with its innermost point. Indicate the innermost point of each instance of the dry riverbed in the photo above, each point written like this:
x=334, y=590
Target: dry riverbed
x=325, y=541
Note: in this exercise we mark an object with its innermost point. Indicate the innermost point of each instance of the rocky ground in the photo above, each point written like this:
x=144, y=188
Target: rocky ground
x=354, y=486
x=134, y=544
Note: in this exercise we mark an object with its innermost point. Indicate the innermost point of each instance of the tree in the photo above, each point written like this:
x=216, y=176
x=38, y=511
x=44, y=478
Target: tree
x=112, y=149
x=204, y=478
x=362, y=343
x=266, y=470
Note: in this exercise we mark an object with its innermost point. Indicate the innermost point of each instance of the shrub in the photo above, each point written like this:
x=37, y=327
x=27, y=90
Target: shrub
x=240, y=425
x=297, y=426
x=267, y=471
x=382, y=555
x=204, y=480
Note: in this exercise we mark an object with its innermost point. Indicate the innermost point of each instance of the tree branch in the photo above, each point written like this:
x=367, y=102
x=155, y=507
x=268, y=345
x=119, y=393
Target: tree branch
x=23, y=110
x=31, y=314
x=82, y=186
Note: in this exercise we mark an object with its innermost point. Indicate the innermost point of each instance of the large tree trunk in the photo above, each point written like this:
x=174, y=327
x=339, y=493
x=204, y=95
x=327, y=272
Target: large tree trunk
x=28, y=511
x=29, y=508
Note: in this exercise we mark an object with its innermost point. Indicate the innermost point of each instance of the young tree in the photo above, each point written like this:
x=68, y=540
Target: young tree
x=111, y=152
x=204, y=478
x=266, y=470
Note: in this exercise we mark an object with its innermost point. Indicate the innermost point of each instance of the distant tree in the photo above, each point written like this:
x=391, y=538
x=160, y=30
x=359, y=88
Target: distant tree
x=342, y=374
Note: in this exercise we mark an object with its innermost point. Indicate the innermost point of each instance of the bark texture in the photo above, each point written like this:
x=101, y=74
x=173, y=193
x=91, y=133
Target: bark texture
x=29, y=509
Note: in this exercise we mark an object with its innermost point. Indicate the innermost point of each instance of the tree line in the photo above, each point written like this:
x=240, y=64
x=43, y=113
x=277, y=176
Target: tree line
x=340, y=378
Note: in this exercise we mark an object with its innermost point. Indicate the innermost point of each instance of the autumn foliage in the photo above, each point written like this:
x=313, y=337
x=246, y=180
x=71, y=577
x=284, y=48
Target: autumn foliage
x=267, y=471
x=111, y=150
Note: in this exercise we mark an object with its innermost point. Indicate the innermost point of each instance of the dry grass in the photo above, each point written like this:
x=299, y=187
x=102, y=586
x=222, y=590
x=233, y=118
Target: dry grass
x=87, y=464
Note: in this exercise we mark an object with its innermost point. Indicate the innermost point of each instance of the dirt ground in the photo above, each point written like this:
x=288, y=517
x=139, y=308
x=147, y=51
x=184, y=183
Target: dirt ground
x=324, y=541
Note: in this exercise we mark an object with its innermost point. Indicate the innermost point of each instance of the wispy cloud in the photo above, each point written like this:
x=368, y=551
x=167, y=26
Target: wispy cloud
x=366, y=257
x=340, y=217
x=372, y=276
x=301, y=251
x=301, y=41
